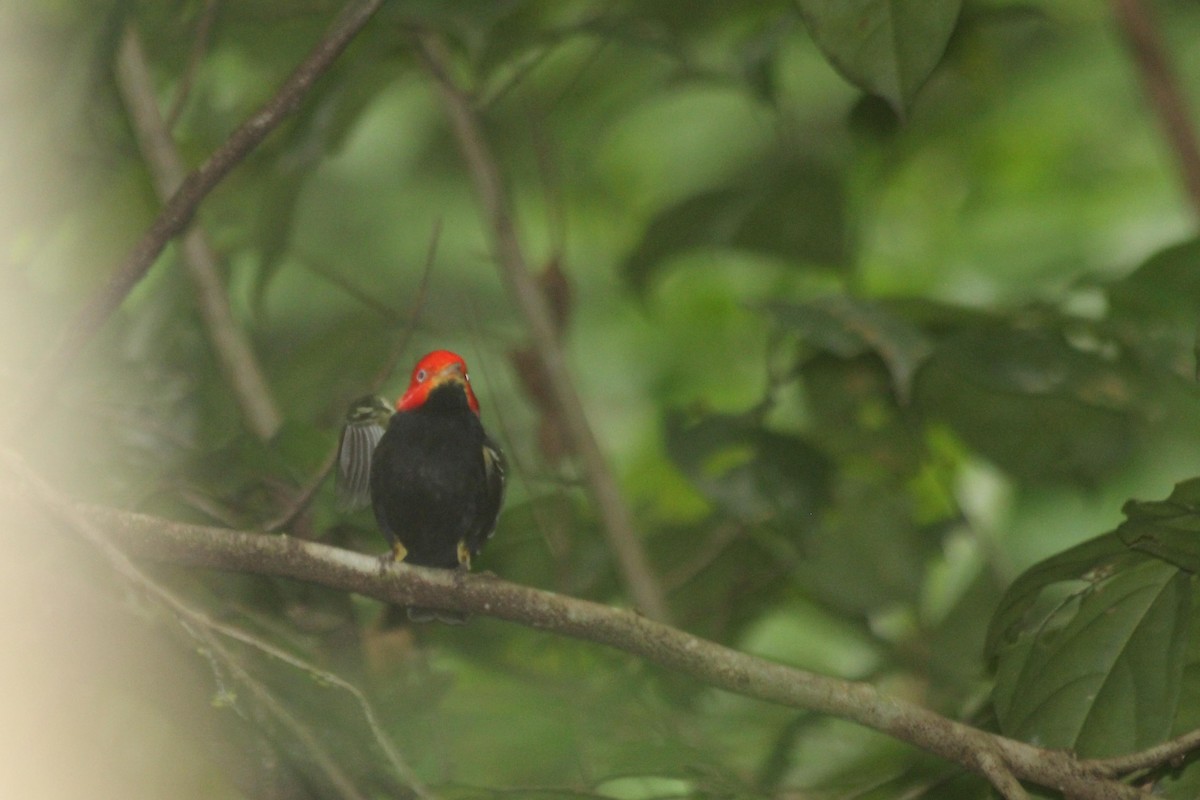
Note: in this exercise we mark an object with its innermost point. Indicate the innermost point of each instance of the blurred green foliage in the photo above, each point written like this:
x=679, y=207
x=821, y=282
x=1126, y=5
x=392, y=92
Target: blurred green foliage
x=867, y=331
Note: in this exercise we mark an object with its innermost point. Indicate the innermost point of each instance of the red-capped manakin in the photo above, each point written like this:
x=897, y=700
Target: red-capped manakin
x=433, y=476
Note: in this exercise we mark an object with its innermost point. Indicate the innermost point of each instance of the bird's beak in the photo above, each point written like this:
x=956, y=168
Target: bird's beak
x=451, y=373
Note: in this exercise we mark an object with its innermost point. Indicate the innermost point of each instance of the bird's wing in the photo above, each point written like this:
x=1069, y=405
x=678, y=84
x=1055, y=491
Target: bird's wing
x=493, y=466
x=366, y=422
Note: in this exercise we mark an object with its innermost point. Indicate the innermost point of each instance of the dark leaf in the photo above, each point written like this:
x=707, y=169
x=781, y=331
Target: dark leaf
x=1155, y=307
x=702, y=220
x=752, y=474
x=1167, y=529
x=1166, y=285
x=1103, y=673
x=1032, y=403
x=796, y=214
x=885, y=47
x=848, y=327
x=1175, y=520
x=1100, y=666
x=1084, y=562
x=792, y=212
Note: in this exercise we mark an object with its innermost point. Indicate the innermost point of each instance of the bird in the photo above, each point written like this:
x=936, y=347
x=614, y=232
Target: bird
x=430, y=471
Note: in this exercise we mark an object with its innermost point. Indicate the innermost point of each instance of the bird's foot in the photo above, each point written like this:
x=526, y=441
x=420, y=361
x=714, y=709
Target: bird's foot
x=397, y=553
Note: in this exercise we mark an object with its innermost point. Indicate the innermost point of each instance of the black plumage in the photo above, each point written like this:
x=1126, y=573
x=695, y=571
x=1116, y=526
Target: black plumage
x=437, y=481
x=432, y=475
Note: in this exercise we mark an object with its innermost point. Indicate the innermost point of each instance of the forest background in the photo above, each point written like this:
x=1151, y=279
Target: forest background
x=854, y=337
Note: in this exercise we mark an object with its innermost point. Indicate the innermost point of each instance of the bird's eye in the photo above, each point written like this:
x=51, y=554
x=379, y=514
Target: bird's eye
x=421, y=376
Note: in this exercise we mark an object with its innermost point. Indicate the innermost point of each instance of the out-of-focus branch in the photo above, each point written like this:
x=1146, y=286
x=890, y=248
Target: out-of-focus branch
x=398, y=763
x=237, y=359
x=200, y=41
x=180, y=209
x=200, y=626
x=321, y=758
x=635, y=568
x=1166, y=96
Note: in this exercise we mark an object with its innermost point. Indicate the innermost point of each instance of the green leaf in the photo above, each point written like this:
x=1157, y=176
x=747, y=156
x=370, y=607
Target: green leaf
x=1084, y=562
x=1033, y=404
x=1167, y=529
x=1164, y=289
x=752, y=474
x=885, y=47
x=849, y=327
x=1102, y=669
x=796, y=212
x=1103, y=673
x=705, y=219
x=793, y=212
x=1154, y=307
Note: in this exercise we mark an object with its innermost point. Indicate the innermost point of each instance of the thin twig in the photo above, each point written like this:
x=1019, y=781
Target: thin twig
x=200, y=42
x=1162, y=86
x=1000, y=776
x=180, y=209
x=606, y=495
x=320, y=756
x=397, y=761
x=232, y=346
x=288, y=516
x=364, y=297
x=84, y=526
x=414, y=311
x=1168, y=752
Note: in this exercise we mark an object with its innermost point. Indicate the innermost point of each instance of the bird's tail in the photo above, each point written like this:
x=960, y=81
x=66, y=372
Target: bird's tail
x=419, y=614
x=398, y=616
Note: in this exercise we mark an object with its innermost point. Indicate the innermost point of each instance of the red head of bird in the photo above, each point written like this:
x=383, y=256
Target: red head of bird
x=439, y=368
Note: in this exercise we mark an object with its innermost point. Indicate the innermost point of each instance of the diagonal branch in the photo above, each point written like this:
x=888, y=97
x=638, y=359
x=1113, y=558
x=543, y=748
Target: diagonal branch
x=300, y=502
x=320, y=755
x=1002, y=761
x=232, y=347
x=1162, y=86
x=206, y=630
x=399, y=765
x=180, y=209
x=606, y=495
x=1170, y=752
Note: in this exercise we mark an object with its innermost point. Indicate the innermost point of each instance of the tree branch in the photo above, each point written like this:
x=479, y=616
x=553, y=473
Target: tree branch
x=1002, y=761
x=606, y=495
x=397, y=762
x=205, y=630
x=1169, y=752
x=1162, y=86
x=1001, y=777
x=321, y=758
x=180, y=209
x=232, y=347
